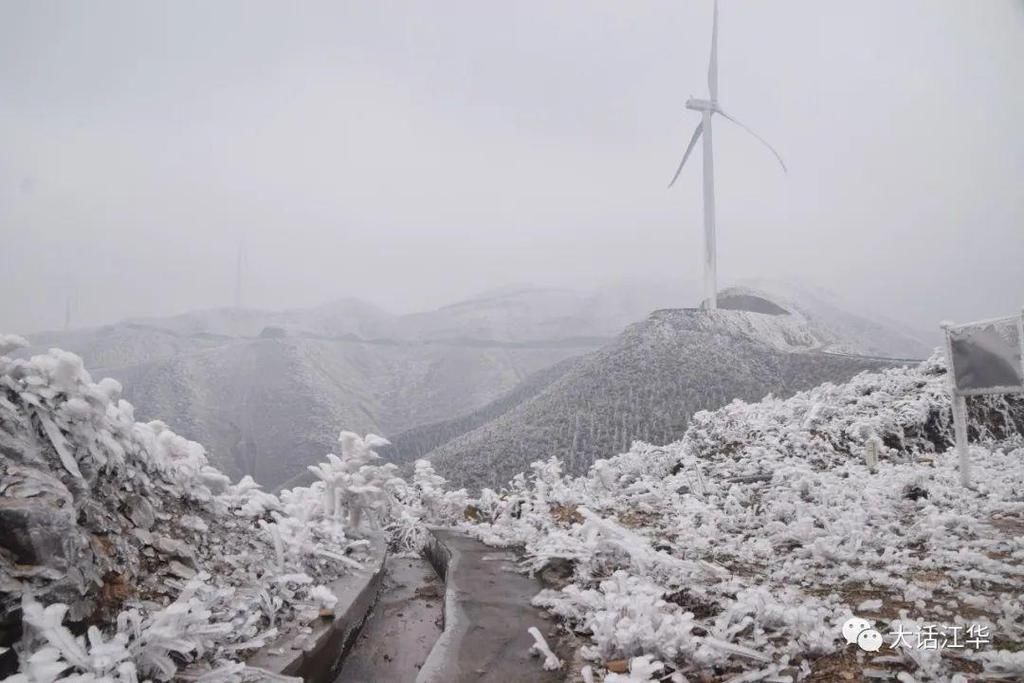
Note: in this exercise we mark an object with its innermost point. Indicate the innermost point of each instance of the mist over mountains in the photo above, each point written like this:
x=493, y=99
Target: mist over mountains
x=648, y=384
x=267, y=391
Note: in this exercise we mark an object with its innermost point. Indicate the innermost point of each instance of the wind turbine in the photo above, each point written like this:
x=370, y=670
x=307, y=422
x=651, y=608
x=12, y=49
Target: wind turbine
x=707, y=109
x=240, y=268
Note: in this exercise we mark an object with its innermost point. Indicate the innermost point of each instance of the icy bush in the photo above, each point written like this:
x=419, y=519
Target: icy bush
x=11, y=342
x=439, y=505
x=741, y=549
x=540, y=647
x=146, y=646
x=641, y=670
x=352, y=486
x=422, y=503
x=126, y=527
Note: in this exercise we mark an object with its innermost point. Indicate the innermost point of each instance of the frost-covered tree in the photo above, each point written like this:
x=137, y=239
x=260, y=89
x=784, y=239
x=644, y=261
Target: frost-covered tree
x=353, y=485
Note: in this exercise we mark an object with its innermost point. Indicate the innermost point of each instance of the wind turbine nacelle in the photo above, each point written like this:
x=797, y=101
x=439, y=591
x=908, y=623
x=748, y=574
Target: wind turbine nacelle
x=700, y=105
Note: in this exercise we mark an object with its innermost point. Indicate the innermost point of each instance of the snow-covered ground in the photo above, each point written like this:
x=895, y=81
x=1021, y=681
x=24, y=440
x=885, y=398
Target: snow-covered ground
x=739, y=552
x=736, y=554
x=124, y=527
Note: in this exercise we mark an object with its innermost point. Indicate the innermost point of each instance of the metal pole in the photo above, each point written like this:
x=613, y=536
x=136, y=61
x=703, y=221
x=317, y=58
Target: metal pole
x=240, y=267
x=710, y=258
x=959, y=413
x=1020, y=338
x=960, y=431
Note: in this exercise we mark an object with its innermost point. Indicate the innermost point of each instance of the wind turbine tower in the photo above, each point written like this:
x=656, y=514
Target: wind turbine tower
x=707, y=109
x=240, y=269
x=69, y=304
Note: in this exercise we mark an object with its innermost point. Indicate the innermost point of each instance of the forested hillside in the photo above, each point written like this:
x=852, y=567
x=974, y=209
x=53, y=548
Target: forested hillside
x=264, y=390
x=646, y=386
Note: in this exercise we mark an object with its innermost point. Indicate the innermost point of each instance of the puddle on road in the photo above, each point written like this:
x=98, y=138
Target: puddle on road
x=401, y=629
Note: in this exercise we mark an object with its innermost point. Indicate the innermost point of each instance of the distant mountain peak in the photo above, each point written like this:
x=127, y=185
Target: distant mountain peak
x=840, y=328
x=647, y=383
x=782, y=332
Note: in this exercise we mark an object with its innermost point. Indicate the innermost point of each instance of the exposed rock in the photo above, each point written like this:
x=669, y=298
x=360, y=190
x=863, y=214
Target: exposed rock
x=915, y=492
x=180, y=570
x=140, y=511
x=37, y=520
x=172, y=547
x=93, y=516
x=557, y=572
x=145, y=537
x=194, y=523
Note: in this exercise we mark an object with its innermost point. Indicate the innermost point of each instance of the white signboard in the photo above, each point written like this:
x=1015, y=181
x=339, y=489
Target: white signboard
x=985, y=357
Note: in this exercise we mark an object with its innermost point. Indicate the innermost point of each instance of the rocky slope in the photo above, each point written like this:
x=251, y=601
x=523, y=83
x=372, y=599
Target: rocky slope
x=122, y=530
x=845, y=329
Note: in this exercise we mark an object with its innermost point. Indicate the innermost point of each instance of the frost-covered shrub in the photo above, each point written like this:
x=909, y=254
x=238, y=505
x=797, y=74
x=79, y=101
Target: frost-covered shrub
x=907, y=408
x=439, y=505
x=422, y=503
x=642, y=670
x=742, y=548
x=125, y=527
x=145, y=646
x=352, y=486
x=246, y=498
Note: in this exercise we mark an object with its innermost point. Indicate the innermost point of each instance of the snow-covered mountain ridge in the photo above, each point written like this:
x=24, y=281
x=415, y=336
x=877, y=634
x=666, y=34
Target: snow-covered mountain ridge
x=265, y=390
x=737, y=552
x=268, y=405
x=646, y=385
x=782, y=332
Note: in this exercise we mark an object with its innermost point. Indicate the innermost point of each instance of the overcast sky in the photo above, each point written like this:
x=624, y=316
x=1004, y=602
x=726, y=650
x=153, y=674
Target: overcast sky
x=413, y=153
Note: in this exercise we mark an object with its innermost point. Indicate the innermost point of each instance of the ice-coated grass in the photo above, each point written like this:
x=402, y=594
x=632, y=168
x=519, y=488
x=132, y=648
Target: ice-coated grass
x=741, y=549
x=735, y=553
x=177, y=572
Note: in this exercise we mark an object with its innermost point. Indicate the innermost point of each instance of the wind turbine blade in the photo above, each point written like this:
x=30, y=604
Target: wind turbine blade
x=762, y=140
x=713, y=64
x=689, y=148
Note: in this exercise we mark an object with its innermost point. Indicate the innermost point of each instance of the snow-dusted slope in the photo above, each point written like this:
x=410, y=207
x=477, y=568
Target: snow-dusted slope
x=515, y=314
x=333, y=319
x=645, y=386
x=534, y=313
x=268, y=406
x=846, y=329
x=419, y=441
x=738, y=552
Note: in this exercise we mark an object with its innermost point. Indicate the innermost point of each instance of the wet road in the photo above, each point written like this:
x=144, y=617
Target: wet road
x=402, y=627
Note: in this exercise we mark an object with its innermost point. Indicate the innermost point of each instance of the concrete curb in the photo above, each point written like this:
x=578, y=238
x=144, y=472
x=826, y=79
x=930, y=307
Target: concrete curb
x=435, y=668
x=331, y=639
x=487, y=612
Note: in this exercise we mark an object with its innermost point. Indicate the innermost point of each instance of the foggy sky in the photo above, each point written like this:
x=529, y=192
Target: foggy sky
x=414, y=153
